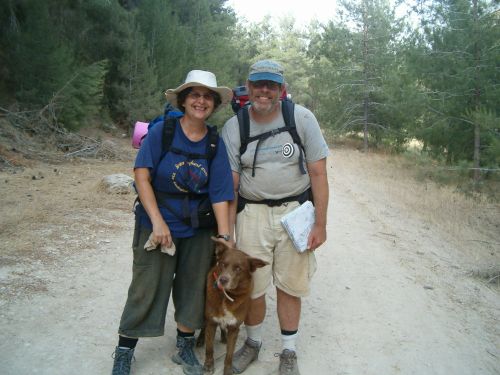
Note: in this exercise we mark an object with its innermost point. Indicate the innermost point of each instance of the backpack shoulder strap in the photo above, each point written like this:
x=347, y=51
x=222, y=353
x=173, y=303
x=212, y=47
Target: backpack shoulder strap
x=213, y=139
x=288, y=110
x=244, y=124
x=168, y=137
x=168, y=134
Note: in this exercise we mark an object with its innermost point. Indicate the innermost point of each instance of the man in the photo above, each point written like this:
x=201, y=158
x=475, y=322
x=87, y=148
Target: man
x=272, y=177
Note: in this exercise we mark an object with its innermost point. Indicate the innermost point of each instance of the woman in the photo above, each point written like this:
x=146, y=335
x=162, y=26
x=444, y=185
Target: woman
x=169, y=184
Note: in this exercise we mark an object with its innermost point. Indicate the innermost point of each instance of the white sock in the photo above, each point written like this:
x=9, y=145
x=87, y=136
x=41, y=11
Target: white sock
x=288, y=341
x=254, y=333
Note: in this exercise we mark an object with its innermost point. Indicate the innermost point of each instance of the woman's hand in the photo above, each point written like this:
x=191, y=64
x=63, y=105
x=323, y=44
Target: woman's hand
x=230, y=242
x=161, y=233
x=221, y=211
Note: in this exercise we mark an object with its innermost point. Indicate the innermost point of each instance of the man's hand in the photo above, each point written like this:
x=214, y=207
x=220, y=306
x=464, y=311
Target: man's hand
x=317, y=237
x=319, y=187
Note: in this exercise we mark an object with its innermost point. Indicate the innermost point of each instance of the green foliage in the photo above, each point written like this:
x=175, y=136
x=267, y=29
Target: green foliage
x=487, y=121
x=165, y=39
x=56, y=49
x=356, y=72
x=137, y=90
x=456, y=61
x=80, y=99
x=40, y=62
x=366, y=72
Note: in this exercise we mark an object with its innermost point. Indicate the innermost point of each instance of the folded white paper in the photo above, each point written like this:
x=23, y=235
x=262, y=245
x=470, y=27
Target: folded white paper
x=298, y=224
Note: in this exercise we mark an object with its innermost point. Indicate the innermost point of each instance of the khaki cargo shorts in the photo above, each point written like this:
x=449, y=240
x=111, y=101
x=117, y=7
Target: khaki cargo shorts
x=260, y=234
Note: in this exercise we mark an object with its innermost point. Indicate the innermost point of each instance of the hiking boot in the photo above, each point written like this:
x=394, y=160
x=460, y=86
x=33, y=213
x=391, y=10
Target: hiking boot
x=248, y=353
x=186, y=357
x=123, y=358
x=288, y=363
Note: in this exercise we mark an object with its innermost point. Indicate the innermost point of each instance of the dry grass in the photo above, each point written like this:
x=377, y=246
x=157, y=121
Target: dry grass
x=472, y=222
x=41, y=201
x=50, y=211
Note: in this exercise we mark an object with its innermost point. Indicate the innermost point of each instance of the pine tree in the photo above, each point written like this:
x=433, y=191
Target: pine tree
x=457, y=63
x=353, y=59
x=139, y=93
x=40, y=62
x=80, y=100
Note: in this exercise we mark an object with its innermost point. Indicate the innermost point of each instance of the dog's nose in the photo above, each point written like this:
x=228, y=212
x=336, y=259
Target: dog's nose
x=223, y=280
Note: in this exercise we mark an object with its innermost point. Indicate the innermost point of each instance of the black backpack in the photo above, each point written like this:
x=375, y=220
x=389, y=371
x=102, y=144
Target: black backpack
x=288, y=110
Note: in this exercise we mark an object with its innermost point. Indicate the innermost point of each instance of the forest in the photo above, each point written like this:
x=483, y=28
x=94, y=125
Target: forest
x=428, y=77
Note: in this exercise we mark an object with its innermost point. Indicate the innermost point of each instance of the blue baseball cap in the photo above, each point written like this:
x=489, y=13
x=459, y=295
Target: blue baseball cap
x=266, y=70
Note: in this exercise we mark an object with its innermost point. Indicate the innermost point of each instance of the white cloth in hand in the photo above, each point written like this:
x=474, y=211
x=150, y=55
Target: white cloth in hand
x=151, y=244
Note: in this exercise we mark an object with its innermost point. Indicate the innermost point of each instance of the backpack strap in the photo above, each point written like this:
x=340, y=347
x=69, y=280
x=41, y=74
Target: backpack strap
x=169, y=124
x=244, y=124
x=168, y=137
x=213, y=140
x=259, y=139
x=288, y=111
x=187, y=217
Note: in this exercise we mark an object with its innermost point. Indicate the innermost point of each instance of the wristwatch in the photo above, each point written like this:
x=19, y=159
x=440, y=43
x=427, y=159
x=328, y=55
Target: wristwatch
x=225, y=237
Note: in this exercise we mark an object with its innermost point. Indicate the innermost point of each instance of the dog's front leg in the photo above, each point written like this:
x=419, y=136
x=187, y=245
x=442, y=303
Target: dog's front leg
x=210, y=327
x=232, y=336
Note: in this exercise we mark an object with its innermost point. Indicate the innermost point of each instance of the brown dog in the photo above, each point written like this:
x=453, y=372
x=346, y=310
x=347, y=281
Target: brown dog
x=229, y=285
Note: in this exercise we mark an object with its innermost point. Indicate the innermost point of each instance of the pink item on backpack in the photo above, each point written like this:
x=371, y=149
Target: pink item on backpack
x=140, y=131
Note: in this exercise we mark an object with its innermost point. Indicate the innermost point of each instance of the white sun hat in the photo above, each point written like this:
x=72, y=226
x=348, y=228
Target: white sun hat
x=204, y=79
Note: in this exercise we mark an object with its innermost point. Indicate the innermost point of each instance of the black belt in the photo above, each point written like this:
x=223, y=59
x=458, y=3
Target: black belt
x=301, y=198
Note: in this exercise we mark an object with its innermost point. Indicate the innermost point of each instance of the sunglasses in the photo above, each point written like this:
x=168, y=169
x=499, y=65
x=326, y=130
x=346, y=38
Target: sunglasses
x=271, y=85
x=196, y=95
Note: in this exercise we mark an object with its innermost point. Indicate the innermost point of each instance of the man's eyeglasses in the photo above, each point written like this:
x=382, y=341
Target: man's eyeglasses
x=196, y=95
x=271, y=85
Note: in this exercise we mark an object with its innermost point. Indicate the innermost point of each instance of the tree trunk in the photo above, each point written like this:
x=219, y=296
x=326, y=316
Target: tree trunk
x=477, y=94
x=365, y=81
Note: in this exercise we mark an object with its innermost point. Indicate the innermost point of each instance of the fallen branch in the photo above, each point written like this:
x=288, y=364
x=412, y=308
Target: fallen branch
x=389, y=234
x=6, y=161
x=493, y=278
x=79, y=151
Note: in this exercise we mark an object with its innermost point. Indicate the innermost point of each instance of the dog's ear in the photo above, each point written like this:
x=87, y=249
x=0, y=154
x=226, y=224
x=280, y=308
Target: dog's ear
x=220, y=246
x=256, y=263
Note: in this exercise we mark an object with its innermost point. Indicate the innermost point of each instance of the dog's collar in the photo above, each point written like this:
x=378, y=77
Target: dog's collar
x=220, y=287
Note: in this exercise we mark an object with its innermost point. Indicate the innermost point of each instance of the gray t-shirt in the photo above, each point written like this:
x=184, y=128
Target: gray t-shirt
x=277, y=173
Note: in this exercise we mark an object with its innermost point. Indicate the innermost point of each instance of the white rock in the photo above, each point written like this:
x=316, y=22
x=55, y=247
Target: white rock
x=117, y=184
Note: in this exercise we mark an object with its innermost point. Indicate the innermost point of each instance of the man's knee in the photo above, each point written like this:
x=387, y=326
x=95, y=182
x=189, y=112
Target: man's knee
x=285, y=297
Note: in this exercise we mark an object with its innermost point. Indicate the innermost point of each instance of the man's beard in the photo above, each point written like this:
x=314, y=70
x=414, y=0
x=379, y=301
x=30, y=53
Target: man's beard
x=264, y=109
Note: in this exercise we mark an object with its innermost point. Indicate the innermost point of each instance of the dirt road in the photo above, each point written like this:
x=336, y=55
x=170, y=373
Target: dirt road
x=392, y=295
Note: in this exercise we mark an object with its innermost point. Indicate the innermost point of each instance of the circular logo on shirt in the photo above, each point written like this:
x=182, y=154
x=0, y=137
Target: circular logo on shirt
x=189, y=176
x=287, y=150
